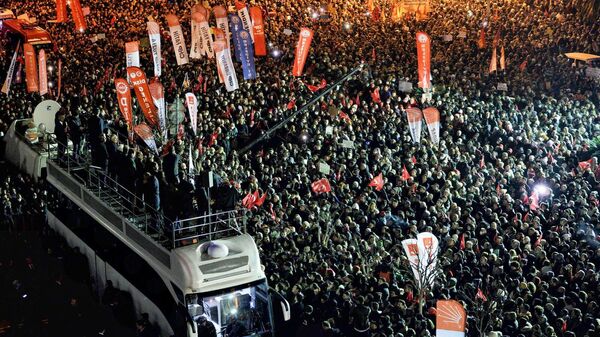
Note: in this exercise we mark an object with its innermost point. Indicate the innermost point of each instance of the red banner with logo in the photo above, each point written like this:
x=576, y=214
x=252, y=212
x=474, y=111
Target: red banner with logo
x=302, y=49
x=145, y=133
x=80, y=25
x=124, y=98
x=258, y=29
x=43, y=72
x=142, y=92
x=31, y=71
x=61, y=10
x=424, y=60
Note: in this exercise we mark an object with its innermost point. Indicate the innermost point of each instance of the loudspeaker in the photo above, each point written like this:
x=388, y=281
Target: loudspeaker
x=206, y=179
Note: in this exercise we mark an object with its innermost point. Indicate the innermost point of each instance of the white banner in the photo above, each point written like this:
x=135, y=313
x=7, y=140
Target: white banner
x=178, y=40
x=197, y=48
x=225, y=65
x=411, y=249
x=428, y=250
x=11, y=71
x=132, y=54
x=223, y=25
x=192, y=104
x=245, y=17
x=415, y=120
x=154, y=38
x=207, y=40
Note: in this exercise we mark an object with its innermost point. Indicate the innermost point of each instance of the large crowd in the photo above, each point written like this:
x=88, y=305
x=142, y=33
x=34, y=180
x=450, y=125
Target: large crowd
x=337, y=256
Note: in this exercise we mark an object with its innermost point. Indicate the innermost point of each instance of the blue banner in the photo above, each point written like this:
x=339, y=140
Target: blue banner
x=235, y=26
x=247, y=55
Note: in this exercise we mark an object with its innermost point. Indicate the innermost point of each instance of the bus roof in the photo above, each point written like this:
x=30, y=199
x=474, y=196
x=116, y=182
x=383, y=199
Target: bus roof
x=30, y=33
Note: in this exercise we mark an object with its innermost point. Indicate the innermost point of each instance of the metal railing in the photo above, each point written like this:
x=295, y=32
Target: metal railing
x=209, y=227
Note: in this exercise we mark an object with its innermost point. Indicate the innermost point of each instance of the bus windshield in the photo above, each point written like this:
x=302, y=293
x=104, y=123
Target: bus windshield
x=235, y=312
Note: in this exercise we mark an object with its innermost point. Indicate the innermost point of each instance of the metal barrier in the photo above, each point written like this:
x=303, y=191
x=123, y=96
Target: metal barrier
x=209, y=227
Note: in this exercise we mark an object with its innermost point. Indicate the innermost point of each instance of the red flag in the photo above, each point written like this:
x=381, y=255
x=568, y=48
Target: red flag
x=31, y=69
x=585, y=165
x=534, y=201
x=260, y=49
x=413, y=159
x=375, y=96
x=249, y=200
x=564, y=326
x=321, y=186
x=78, y=18
x=314, y=88
x=142, y=92
x=273, y=215
x=61, y=11
x=261, y=200
x=523, y=66
x=481, y=42
x=482, y=162
x=539, y=240
x=377, y=182
x=480, y=295
x=498, y=189
x=291, y=104
x=405, y=174
x=344, y=116
x=213, y=138
x=424, y=60
x=302, y=48
x=461, y=244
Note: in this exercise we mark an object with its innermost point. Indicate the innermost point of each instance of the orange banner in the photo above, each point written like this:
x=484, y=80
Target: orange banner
x=424, y=60
x=450, y=318
x=302, y=49
x=258, y=28
x=31, y=71
x=142, y=92
x=77, y=12
x=124, y=98
x=43, y=72
x=61, y=10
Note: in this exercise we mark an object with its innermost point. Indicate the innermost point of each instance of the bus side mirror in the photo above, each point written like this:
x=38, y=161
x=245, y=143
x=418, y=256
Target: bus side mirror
x=286, y=310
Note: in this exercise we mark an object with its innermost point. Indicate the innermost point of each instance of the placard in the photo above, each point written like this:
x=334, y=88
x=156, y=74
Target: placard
x=502, y=87
x=447, y=38
x=405, y=86
x=324, y=168
x=287, y=32
x=347, y=144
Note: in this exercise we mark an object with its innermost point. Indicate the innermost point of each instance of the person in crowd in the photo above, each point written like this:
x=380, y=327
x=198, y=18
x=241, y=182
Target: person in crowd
x=61, y=130
x=76, y=132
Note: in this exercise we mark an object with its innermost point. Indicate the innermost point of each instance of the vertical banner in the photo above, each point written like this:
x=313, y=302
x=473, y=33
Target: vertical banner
x=493, y=61
x=145, y=133
x=247, y=55
x=77, y=12
x=124, y=100
x=59, y=78
x=258, y=31
x=424, y=60
x=207, y=41
x=411, y=250
x=502, y=59
x=219, y=36
x=142, y=92
x=302, y=49
x=222, y=24
x=450, y=319
x=428, y=250
x=31, y=70
x=11, y=71
x=154, y=38
x=236, y=27
x=481, y=41
x=43, y=72
x=177, y=39
x=242, y=10
x=415, y=118
x=197, y=45
x=132, y=54
x=192, y=104
x=61, y=11
x=432, y=118
x=226, y=66
x=157, y=91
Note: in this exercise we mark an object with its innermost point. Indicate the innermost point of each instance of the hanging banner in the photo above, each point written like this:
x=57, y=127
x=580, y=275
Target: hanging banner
x=450, y=319
x=432, y=118
x=142, y=92
x=502, y=59
x=493, y=62
x=132, y=54
x=424, y=60
x=222, y=23
x=31, y=69
x=258, y=31
x=43, y=72
x=226, y=66
x=242, y=10
x=78, y=17
x=207, y=40
x=219, y=36
x=11, y=71
x=61, y=11
x=192, y=104
x=411, y=250
x=247, y=55
x=415, y=118
x=236, y=27
x=145, y=133
x=428, y=251
x=197, y=47
x=154, y=38
x=59, y=77
x=124, y=100
x=158, y=97
x=302, y=49
x=177, y=39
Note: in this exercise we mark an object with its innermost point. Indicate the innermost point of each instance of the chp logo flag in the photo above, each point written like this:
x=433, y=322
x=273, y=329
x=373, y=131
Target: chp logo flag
x=258, y=31
x=142, y=92
x=157, y=91
x=428, y=250
x=61, y=11
x=415, y=120
x=424, y=60
x=177, y=39
x=11, y=71
x=247, y=55
x=43, y=72
x=225, y=66
x=124, y=99
x=145, y=133
x=78, y=17
x=154, y=38
x=31, y=70
x=192, y=104
x=432, y=118
x=411, y=250
x=450, y=319
x=132, y=53
x=236, y=26
x=302, y=49
x=244, y=16
x=197, y=48
x=222, y=23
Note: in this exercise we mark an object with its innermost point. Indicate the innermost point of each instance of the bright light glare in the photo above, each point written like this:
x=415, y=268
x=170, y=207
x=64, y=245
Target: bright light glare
x=314, y=15
x=542, y=190
x=347, y=26
x=304, y=137
x=233, y=311
x=50, y=68
x=50, y=84
x=276, y=53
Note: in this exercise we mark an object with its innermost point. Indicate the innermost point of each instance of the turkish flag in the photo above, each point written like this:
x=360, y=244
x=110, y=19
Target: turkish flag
x=461, y=244
x=377, y=182
x=585, y=165
x=481, y=295
x=321, y=186
x=249, y=200
x=261, y=200
x=405, y=174
x=291, y=104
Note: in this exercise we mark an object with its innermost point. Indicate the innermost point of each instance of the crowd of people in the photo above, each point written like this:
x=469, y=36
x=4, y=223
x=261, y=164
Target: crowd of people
x=337, y=256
